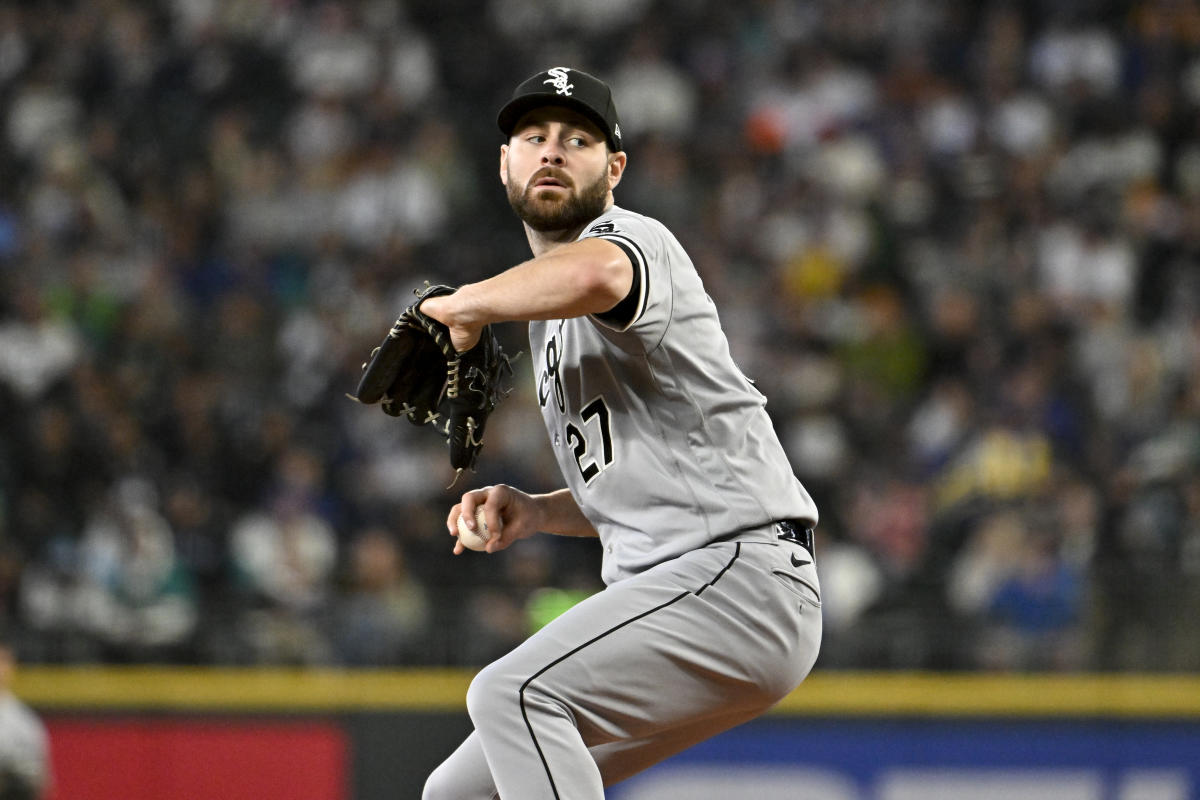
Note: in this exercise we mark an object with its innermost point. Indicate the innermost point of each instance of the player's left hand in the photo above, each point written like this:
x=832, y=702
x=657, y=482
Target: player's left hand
x=462, y=336
x=419, y=372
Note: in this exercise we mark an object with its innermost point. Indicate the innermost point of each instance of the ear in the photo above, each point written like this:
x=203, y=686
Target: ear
x=504, y=164
x=616, y=168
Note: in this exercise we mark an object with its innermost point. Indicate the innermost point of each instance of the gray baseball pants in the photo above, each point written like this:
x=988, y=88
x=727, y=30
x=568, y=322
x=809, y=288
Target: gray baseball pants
x=638, y=672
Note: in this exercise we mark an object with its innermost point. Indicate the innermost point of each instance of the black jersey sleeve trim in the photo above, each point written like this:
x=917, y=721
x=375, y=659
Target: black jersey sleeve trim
x=622, y=316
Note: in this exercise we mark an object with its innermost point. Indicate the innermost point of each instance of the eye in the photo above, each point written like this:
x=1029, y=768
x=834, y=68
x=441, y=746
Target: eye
x=578, y=141
x=535, y=138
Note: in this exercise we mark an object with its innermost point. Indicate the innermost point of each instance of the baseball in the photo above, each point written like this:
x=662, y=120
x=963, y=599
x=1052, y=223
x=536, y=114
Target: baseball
x=473, y=539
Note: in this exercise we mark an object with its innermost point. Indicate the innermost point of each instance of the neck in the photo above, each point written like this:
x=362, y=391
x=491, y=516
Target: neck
x=542, y=242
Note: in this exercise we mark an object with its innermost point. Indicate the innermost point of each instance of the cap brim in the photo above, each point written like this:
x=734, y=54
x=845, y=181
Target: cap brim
x=511, y=114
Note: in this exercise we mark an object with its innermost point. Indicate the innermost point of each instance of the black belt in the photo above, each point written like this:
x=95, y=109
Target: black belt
x=796, y=531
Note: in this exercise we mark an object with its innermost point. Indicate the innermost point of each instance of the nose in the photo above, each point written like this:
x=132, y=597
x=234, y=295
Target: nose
x=552, y=155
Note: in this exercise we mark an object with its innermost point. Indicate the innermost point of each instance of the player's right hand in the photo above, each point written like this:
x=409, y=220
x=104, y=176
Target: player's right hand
x=510, y=515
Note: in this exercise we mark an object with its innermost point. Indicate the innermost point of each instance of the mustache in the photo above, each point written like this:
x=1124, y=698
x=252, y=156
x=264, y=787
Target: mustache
x=552, y=173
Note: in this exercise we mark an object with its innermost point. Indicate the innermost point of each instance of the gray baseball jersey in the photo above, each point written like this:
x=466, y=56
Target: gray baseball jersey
x=712, y=612
x=24, y=745
x=664, y=443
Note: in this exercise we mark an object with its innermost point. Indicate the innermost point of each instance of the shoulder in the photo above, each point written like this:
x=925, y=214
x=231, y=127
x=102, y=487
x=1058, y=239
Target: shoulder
x=617, y=221
x=644, y=239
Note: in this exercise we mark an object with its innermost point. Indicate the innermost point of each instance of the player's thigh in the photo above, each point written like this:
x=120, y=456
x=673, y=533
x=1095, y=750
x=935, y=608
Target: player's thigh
x=579, y=654
x=658, y=651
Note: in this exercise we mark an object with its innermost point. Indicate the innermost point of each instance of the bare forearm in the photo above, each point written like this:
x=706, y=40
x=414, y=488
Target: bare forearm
x=586, y=277
x=559, y=514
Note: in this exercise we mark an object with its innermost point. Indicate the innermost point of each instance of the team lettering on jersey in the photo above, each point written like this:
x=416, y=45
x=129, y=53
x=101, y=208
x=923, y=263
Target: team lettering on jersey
x=590, y=436
x=550, y=381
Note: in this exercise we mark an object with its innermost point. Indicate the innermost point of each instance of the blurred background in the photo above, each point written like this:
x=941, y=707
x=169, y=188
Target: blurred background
x=956, y=245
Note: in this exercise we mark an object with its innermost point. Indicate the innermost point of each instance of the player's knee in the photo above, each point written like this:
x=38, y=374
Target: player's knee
x=492, y=695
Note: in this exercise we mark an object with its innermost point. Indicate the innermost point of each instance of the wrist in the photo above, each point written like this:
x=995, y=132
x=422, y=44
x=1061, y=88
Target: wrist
x=539, y=515
x=466, y=308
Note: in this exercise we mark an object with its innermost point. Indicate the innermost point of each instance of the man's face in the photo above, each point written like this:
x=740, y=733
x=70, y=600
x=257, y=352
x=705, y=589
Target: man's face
x=557, y=170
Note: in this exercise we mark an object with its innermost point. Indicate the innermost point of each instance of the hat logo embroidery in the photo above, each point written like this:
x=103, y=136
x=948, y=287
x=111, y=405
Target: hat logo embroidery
x=558, y=77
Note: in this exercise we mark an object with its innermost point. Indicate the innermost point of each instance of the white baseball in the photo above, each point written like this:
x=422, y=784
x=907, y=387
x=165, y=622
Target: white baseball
x=474, y=539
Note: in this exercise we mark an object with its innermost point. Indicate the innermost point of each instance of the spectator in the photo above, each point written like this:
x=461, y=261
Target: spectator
x=382, y=615
x=284, y=562
x=958, y=248
x=1036, y=611
x=119, y=592
x=136, y=595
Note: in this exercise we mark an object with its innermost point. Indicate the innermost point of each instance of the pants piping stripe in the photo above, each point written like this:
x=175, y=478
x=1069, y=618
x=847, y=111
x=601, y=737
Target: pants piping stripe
x=563, y=657
x=737, y=551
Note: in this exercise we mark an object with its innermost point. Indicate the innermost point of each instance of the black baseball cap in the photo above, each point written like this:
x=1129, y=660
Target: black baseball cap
x=564, y=86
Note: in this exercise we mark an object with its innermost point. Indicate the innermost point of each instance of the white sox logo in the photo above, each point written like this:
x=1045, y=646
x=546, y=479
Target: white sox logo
x=558, y=77
x=591, y=440
x=550, y=380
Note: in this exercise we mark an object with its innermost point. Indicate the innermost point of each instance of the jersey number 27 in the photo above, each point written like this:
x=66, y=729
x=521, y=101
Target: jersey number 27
x=590, y=462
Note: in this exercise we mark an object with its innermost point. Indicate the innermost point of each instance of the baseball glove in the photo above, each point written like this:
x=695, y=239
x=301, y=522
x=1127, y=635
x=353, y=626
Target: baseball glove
x=417, y=374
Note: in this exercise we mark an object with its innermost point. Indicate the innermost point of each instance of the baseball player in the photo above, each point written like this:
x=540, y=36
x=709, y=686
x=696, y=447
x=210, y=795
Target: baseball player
x=711, y=611
x=24, y=743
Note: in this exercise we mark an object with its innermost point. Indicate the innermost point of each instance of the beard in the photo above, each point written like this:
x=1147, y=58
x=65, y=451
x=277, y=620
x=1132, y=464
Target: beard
x=558, y=214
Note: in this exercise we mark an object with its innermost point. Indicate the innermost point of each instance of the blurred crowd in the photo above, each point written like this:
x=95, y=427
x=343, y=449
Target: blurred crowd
x=956, y=245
